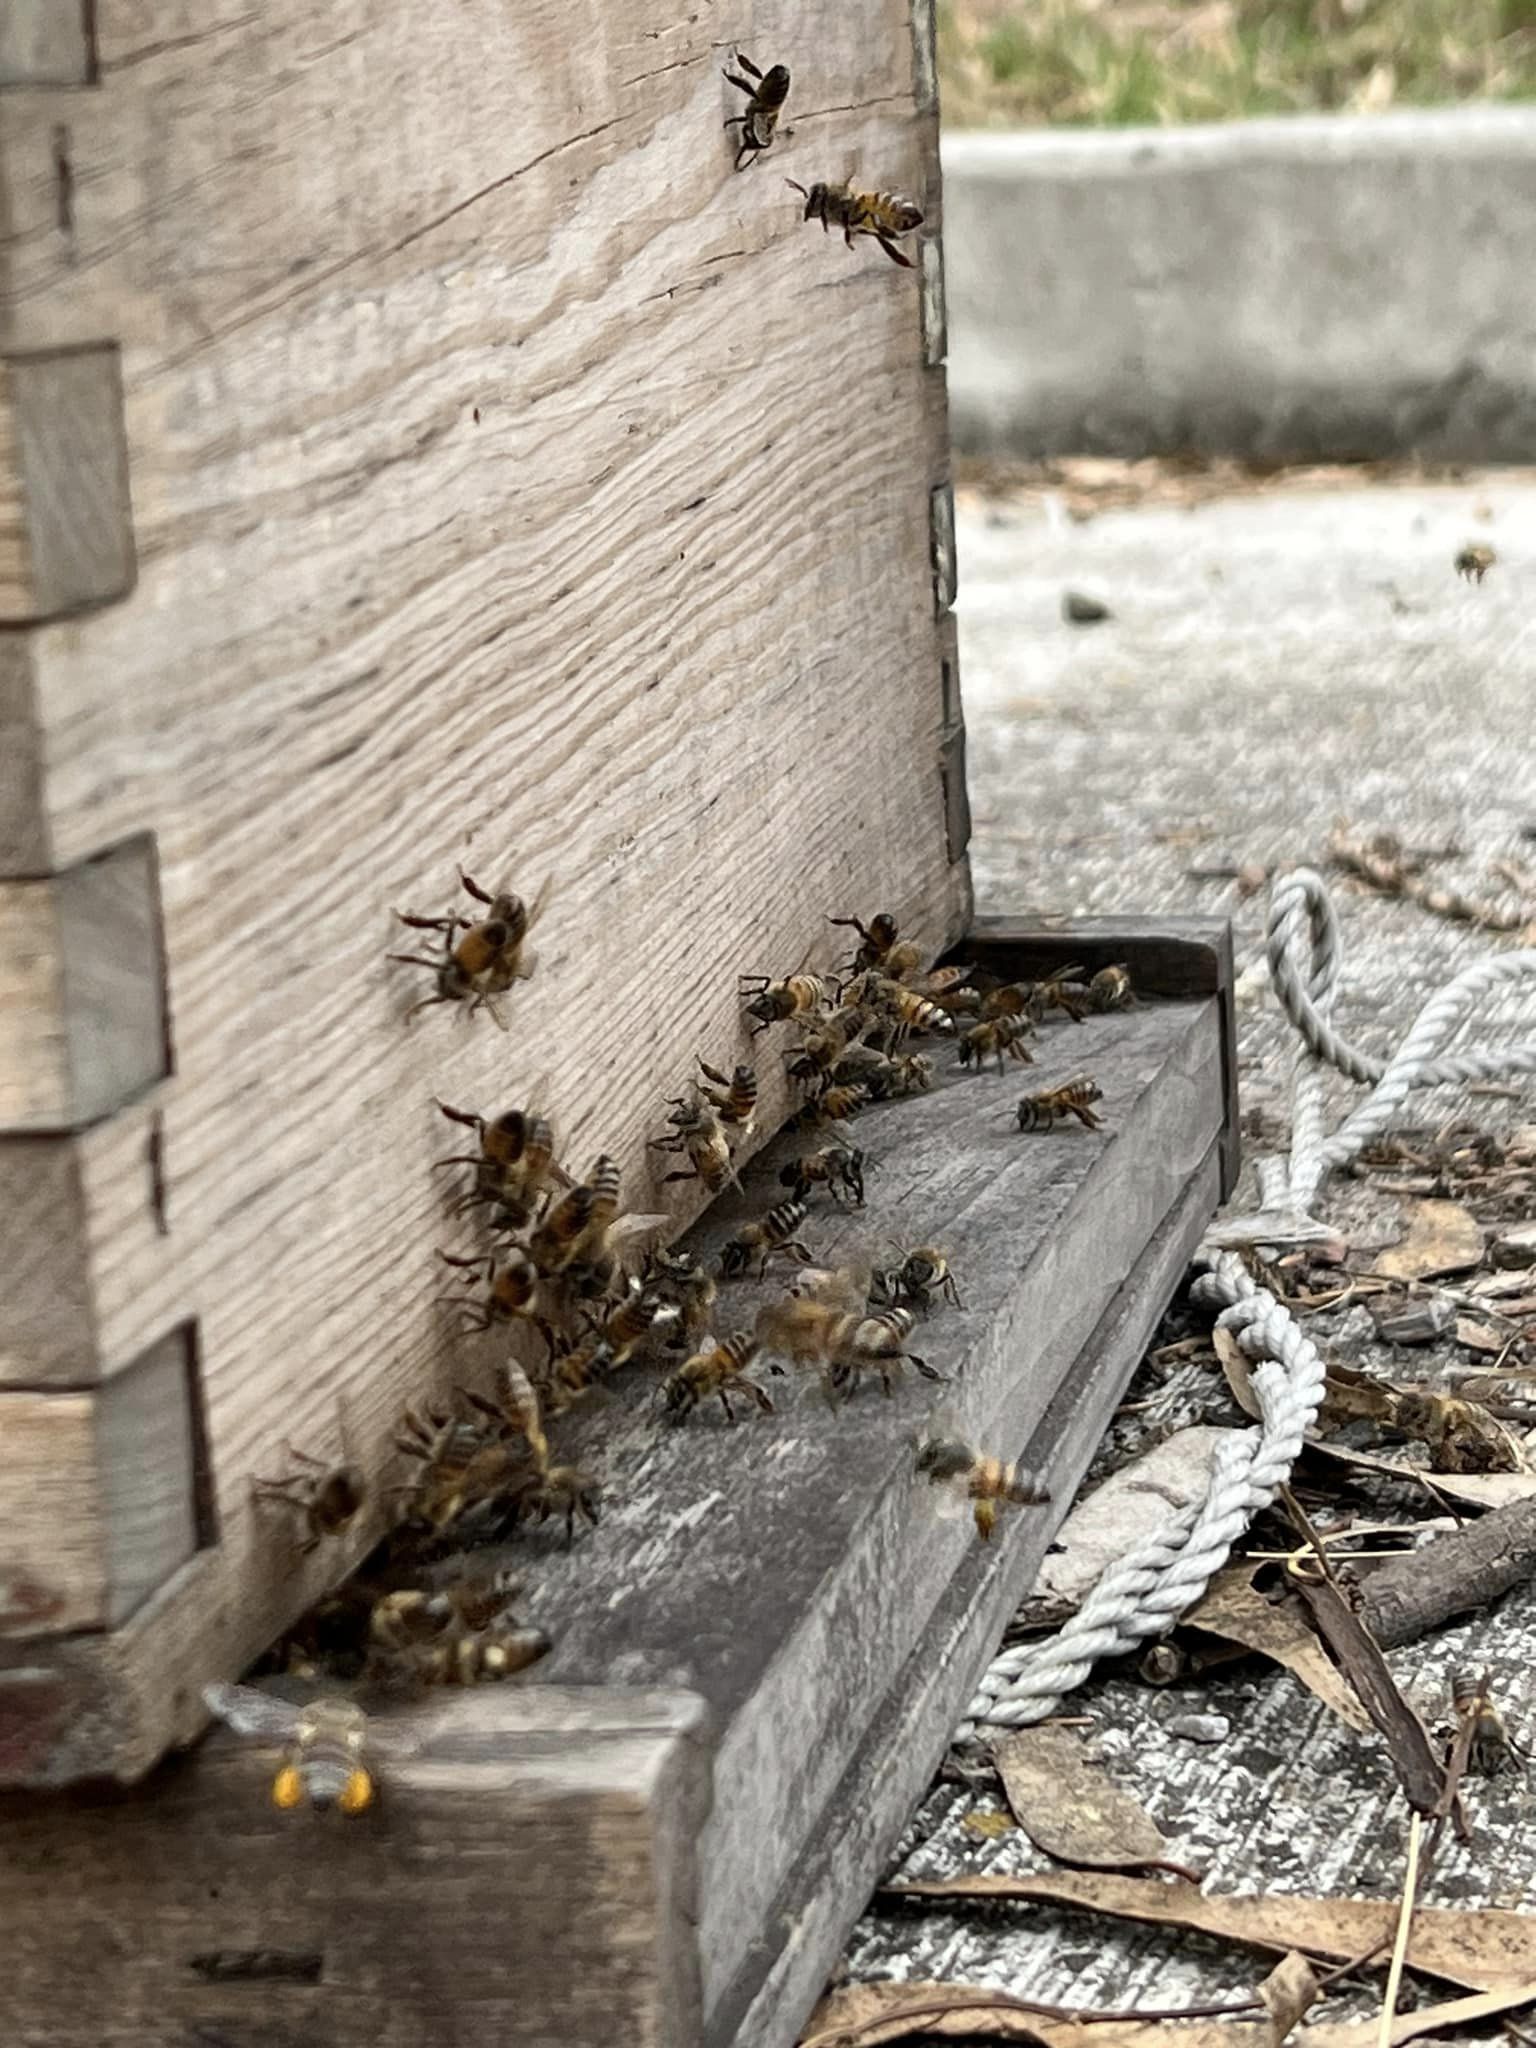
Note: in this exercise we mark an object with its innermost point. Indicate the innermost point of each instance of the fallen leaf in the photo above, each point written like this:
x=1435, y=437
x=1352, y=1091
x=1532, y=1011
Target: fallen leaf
x=1068, y=1806
x=988, y=1825
x=1131, y=1505
x=1484, y=1337
x=1476, y=1949
x=1234, y=1365
x=1419, y=1771
x=1278, y=1630
x=1429, y=2019
x=860, y=2015
x=1472, y=1489
x=1442, y=1237
x=1288, y=1992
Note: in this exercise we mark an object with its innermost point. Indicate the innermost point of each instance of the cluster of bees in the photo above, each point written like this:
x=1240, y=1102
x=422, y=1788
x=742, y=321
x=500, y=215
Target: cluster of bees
x=560, y=1267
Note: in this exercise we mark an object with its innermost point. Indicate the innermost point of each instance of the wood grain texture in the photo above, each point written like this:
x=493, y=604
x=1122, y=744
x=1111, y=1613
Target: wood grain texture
x=82, y=991
x=514, y=484
x=45, y=42
x=66, y=526
x=527, y=1902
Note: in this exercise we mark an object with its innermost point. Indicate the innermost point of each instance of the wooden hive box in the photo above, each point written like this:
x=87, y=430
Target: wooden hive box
x=418, y=446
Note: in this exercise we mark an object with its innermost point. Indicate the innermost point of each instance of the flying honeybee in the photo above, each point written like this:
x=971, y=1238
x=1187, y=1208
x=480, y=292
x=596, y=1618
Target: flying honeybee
x=1475, y=560
x=884, y=215
x=996, y=1037
x=1051, y=1106
x=829, y=1325
x=838, y=1169
x=988, y=1483
x=772, y=1233
x=720, y=1371
x=766, y=93
x=514, y=1166
x=424, y=1636
x=329, y=1498
x=770, y=1002
x=1110, y=989
x=325, y=1745
x=490, y=956
x=1491, y=1749
x=680, y=1281
x=589, y=1259
x=919, y=1275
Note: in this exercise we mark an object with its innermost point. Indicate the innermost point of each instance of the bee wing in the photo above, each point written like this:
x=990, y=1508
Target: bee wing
x=388, y=1739
x=249, y=1712
x=838, y=1287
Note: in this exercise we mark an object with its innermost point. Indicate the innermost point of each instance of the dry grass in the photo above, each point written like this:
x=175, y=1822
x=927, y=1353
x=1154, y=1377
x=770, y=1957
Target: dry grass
x=1109, y=63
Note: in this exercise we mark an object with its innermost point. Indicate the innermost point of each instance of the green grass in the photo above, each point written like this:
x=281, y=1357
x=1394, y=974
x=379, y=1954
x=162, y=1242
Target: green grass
x=1113, y=63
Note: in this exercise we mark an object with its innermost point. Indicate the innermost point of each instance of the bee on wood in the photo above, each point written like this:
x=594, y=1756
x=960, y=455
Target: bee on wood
x=1064, y=991
x=1491, y=1749
x=1050, y=1106
x=679, y=1281
x=1110, y=989
x=996, y=1037
x=1475, y=560
x=911, y=1009
x=425, y=1636
x=516, y=1406
x=864, y=1064
x=463, y=1466
x=511, y=1283
x=826, y=1044
x=884, y=215
x=829, y=1325
x=583, y=1243
x=988, y=1483
x=719, y=1371
x=918, y=1276
x=875, y=939
x=1010, y=999
x=701, y=1134
x=578, y=1367
x=735, y=1099
x=487, y=960
x=770, y=1002
x=766, y=93
x=514, y=1166
x=325, y=1744
x=830, y=1109
x=837, y=1169
x=329, y=1498
x=558, y=1490
x=633, y=1321
x=772, y=1233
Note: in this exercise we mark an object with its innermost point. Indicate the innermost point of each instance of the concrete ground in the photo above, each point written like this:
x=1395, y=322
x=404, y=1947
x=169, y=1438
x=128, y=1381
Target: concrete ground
x=1275, y=660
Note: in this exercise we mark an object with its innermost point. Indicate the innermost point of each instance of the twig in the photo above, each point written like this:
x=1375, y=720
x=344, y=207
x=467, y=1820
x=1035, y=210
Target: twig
x=1404, y=1922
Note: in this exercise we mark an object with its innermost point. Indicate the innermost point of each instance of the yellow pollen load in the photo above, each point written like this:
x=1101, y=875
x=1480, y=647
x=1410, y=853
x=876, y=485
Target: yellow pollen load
x=357, y=1793
x=288, y=1787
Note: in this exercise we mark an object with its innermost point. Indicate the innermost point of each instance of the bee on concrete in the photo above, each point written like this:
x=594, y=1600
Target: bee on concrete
x=681, y=1282
x=1050, y=1106
x=329, y=1498
x=511, y=1283
x=1010, y=999
x=1110, y=989
x=916, y=1278
x=1062, y=991
x=325, y=1745
x=838, y=1169
x=884, y=215
x=1492, y=1749
x=514, y=1166
x=875, y=940
x=577, y=1367
x=487, y=960
x=720, y=1371
x=735, y=1099
x=772, y=1233
x=1475, y=560
x=770, y=1002
x=988, y=1483
x=766, y=93
x=996, y=1037
x=425, y=1636
x=701, y=1134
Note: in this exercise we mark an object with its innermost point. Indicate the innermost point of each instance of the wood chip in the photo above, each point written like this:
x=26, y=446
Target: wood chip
x=1475, y=1949
x=1067, y=1804
x=1289, y=1991
x=1483, y=1337
x=1424, y=1321
x=1442, y=1237
x=1234, y=1610
x=1515, y=1248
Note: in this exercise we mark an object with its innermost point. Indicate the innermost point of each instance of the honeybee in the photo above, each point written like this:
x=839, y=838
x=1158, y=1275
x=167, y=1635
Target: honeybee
x=838, y=1169
x=912, y=1010
x=1475, y=560
x=682, y=1283
x=558, y=1490
x=1491, y=1749
x=827, y=1044
x=720, y=1371
x=772, y=1233
x=766, y=93
x=917, y=1278
x=464, y=1467
x=514, y=1166
x=986, y=1482
x=1110, y=989
x=485, y=962
x=633, y=1321
x=770, y=1002
x=830, y=1326
x=1039, y=1112
x=996, y=1036
x=882, y=214
x=875, y=939
x=425, y=1635
x=832, y=1107
x=325, y=1743
x=1062, y=991
x=862, y=1063
x=329, y=1498
x=1010, y=999
x=702, y=1135
x=511, y=1283
x=589, y=1259
x=735, y=1099
x=517, y=1407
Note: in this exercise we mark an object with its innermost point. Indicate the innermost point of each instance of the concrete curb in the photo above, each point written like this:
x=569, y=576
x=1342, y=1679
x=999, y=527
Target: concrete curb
x=1314, y=288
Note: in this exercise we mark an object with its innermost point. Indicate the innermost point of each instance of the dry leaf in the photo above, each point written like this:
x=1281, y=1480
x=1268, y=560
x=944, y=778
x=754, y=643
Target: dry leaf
x=1419, y=1771
x=1429, y=2019
x=1472, y=1489
x=1234, y=1365
x=1442, y=1237
x=1475, y=1949
x=1067, y=1805
x=1484, y=1337
x=1131, y=1505
x=1289, y=1990
x=860, y=2015
x=1280, y=1631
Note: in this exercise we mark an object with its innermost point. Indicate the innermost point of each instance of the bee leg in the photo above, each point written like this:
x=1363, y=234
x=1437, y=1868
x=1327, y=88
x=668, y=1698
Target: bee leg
x=741, y=84
x=468, y=882
x=986, y=1519
x=950, y=1291
x=747, y=65
x=759, y=1397
x=426, y=1003
x=929, y=1372
x=414, y=960
x=896, y=256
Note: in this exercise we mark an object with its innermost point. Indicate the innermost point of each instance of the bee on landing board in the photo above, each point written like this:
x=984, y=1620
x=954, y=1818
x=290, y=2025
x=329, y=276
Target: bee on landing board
x=720, y=1371
x=827, y=1323
x=328, y=1498
x=766, y=93
x=770, y=1002
x=325, y=1745
x=1475, y=560
x=425, y=1636
x=735, y=1099
x=679, y=1281
x=1051, y=1106
x=514, y=1166
x=916, y=1278
x=772, y=1233
x=700, y=1132
x=1110, y=989
x=987, y=1483
x=838, y=1169
x=885, y=215
x=997, y=1038
x=487, y=960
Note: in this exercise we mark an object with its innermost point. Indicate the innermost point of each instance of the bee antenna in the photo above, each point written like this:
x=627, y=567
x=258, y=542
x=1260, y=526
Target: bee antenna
x=804, y=195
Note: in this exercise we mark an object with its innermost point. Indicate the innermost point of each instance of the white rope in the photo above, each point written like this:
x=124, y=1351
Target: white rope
x=1146, y=1592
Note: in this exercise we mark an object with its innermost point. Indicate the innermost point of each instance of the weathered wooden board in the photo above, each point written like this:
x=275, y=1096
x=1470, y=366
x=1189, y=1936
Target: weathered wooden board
x=512, y=483
x=785, y=1573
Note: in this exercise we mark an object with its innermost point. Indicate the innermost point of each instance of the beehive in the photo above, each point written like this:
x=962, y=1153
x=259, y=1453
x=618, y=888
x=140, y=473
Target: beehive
x=420, y=447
